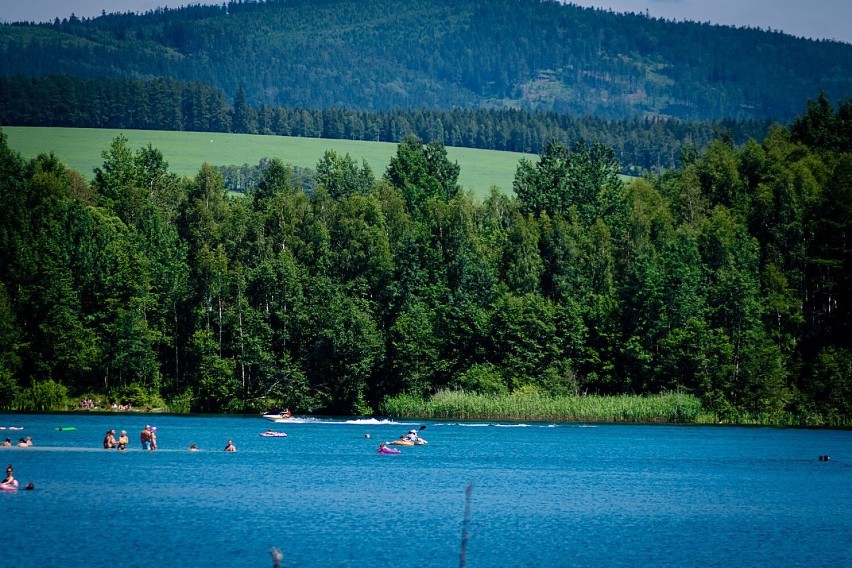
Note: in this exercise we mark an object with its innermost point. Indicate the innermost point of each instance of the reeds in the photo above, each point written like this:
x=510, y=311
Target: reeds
x=537, y=406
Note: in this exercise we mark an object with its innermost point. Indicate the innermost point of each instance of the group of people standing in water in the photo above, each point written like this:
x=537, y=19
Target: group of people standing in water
x=148, y=439
x=111, y=442
x=22, y=442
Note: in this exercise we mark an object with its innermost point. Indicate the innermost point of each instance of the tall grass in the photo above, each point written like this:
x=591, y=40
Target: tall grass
x=536, y=406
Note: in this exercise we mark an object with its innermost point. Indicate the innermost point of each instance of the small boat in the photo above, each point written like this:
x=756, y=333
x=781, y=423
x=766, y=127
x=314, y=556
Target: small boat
x=272, y=434
x=407, y=442
x=280, y=416
x=388, y=450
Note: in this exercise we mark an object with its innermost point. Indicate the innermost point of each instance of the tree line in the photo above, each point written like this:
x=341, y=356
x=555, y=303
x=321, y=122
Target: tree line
x=166, y=104
x=727, y=279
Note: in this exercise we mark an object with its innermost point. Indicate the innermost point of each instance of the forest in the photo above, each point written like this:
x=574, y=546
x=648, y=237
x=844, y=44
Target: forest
x=166, y=104
x=381, y=55
x=727, y=279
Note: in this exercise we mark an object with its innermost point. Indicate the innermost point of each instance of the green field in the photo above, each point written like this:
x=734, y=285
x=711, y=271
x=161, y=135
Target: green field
x=80, y=149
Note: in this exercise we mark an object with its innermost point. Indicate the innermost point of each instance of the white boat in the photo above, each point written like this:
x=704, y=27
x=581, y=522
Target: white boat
x=279, y=417
x=272, y=434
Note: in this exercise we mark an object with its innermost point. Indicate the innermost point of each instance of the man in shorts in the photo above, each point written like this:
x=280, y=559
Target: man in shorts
x=146, y=437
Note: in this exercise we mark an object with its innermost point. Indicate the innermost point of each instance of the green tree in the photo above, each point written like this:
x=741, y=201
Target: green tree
x=218, y=389
x=828, y=299
x=342, y=348
x=359, y=246
x=817, y=127
x=522, y=266
x=244, y=117
x=342, y=177
x=585, y=180
x=831, y=386
x=413, y=350
x=10, y=360
x=276, y=178
x=523, y=338
x=423, y=173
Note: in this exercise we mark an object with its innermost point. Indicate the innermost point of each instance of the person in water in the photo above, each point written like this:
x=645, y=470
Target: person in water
x=123, y=440
x=7, y=442
x=145, y=437
x=9, y=480
x=153, y=437
x=230, y=447
x=193, y=447
x=109, y=440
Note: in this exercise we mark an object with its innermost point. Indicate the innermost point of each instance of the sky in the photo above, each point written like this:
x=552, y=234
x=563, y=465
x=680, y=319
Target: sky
x=815, y=19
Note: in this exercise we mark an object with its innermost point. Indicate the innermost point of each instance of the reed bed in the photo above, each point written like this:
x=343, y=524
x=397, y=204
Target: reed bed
x=536, y=406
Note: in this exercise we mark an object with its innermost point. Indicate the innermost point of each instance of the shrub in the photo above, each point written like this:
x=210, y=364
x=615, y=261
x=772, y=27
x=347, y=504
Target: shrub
x=43, y=396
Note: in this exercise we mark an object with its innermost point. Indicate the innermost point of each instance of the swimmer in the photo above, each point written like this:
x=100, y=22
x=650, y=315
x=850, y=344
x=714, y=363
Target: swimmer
x=9, y=482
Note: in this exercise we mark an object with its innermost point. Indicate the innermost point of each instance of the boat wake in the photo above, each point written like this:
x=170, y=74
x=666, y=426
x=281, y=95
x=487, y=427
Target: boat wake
x=355, y=421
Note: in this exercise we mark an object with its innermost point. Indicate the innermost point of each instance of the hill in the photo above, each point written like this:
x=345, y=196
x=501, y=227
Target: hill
x=444, y=54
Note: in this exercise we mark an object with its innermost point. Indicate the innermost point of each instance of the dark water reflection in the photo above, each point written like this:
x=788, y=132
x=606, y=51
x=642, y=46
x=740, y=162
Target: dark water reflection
x=543, y=495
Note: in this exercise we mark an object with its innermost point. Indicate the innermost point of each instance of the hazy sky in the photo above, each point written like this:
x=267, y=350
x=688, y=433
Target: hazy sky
x=818, y=19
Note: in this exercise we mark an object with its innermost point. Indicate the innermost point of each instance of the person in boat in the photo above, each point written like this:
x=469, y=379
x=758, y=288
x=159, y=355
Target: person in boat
x=230, y=447
x=412, y=436
x=9, y=480
x=286, y=413
x=109, y=440
x=383, y=447
x=193, y=447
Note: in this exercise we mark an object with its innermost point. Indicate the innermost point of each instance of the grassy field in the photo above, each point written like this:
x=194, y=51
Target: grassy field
x=80, y=149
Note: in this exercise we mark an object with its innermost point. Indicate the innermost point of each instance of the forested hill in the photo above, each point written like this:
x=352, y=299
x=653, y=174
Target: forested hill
x=444, y=54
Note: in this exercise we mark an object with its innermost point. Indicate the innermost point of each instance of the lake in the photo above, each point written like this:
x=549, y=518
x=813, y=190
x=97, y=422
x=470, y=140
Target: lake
x=542, y=495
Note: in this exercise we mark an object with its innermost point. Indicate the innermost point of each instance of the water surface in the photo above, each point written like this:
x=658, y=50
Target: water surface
x=543, y=494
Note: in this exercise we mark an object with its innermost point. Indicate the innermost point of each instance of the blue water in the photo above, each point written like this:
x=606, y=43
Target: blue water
x=543, y=495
